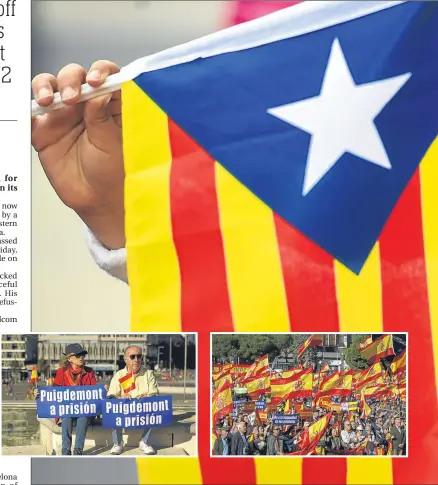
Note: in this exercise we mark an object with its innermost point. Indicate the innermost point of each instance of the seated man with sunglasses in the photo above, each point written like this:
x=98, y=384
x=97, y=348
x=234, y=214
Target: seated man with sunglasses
x=132, y=382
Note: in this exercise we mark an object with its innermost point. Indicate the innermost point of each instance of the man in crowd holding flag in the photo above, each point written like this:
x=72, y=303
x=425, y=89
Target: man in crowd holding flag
x=132, y=382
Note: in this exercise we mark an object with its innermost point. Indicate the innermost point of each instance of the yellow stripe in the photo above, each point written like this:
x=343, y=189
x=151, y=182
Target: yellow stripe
x=360, y=310
x=429, y=203
x=254, y=274
x=177, y=471
x=153, y=269
x=360, y=297
x=281, y=471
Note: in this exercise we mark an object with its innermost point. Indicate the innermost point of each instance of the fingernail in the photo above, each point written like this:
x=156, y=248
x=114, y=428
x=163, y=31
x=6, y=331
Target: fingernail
x=43, y=93
x=94, y=75
x=68, y=93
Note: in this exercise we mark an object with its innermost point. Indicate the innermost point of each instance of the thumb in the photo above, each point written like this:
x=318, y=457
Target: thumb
x=98, y=115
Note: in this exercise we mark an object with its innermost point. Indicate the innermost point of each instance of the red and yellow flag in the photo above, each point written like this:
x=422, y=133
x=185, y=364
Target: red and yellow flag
x=190, y=229
x=312, y=341
x=366, y=410
x=222, y=380
x=399, y=363
x=298, y=386
x=341, y=386
x=291, y=372
x=312, y=435
x=380, y=348
x=259, y=366
x=257, y=385
x=127, y=383
x=369, y=375
x=222, y=402
x=34, y=375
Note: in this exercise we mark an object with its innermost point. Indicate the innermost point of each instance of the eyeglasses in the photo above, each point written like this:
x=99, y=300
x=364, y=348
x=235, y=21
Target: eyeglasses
x=136, y=356
x=81, y=354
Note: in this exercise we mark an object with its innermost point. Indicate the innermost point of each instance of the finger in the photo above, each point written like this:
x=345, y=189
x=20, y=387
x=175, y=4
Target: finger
x=43, y=87
x=70, y=79
x=99, y=72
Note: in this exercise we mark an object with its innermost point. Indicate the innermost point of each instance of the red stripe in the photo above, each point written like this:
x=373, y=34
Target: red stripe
x=406, y=308
x=199, y=246
x=309, y=279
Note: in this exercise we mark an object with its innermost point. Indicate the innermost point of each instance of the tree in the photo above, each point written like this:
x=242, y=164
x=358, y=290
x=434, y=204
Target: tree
x=353, y=357
x=225, y=346
x=309, y=355
x=253, y=346
x=15, y=369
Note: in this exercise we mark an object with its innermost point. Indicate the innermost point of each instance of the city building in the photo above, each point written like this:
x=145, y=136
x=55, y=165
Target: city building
x=105, y=352
x=19, y=352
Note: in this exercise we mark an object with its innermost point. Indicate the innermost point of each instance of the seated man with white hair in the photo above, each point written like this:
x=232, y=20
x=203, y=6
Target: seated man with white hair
x=132, y=382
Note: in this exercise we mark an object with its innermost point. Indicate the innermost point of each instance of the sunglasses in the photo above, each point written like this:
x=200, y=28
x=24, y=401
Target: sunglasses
x=136, y=356
x=81, y=354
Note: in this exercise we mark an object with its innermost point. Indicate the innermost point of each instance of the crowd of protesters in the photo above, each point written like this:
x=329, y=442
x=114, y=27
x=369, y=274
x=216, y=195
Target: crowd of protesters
x=383, y=432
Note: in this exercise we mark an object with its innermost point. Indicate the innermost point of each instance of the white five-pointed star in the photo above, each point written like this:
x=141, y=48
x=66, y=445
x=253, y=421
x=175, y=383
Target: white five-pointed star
x=341, y=118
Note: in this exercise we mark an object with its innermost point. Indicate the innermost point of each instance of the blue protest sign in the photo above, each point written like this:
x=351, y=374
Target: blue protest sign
x=260, y=405
x=137, y=413
x=239, y=402
x=285, y=419
x=70, y=402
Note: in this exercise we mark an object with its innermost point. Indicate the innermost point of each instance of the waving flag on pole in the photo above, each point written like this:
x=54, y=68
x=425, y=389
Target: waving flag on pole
x=280, y=174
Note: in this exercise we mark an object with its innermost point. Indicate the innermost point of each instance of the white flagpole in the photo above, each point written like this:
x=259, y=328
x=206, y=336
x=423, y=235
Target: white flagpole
x=112, y=84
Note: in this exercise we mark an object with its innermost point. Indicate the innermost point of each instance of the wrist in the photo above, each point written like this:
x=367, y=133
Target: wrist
x=107, y=224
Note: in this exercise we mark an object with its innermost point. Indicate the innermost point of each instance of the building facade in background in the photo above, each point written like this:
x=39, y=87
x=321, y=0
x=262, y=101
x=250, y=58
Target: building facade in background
x=18, y=354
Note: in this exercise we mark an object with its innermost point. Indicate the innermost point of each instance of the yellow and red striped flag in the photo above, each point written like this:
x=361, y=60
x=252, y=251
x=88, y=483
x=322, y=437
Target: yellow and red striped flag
x=378, y=349
x=312, y=341
x=222, y=402
x=366, y=410
x=365, y=342
x=298, y=386
x=371, y=374
x=337, y=387
x=291, y=372
x=399, y=363
x=127, y=383
x=259, y=366
x=312, y=435
x=34, y=375
x=257, y=385
x=194, y=225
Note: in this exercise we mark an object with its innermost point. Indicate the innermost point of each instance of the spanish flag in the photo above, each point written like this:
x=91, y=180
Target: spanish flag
x=337, y=387
x=291, y=372
x=127, y=383
x=312, y=341
x=380, y=348
x=370, y=374
x=220, y=382
x=207, y=251
x=312, y=435
x=399, y=363
x=34, y=375
x=298, y=386
x=365, y=342
x=258, y=385
x=366, y=410
x=222, y=402
x=260, y=366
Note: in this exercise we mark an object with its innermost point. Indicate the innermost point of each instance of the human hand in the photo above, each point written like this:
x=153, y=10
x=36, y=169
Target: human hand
x=80, y=148
x=36, y=393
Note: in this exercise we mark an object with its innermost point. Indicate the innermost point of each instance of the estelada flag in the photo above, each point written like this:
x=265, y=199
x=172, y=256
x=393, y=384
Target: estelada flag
x=298, y=386
x=258, y=385
x=312, y=341
x=399, y=363
x=380, y=348
x=222, y=402
x=127, y=383
x=211, y=248
x=34, y=375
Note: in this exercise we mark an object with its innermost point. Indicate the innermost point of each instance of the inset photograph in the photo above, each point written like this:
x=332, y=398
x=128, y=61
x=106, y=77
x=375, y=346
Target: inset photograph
x=309, y=394
x=99, y=394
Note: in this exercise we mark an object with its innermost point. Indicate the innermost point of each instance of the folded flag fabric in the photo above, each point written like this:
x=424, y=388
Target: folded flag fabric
x=380, y=348
x=127, y=383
